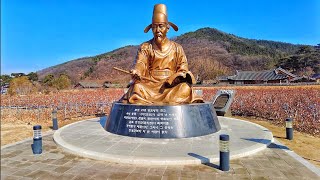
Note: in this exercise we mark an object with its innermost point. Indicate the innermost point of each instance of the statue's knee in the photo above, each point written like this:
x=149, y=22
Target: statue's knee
x=137, y=87
x=183, y=90
x=185, y=86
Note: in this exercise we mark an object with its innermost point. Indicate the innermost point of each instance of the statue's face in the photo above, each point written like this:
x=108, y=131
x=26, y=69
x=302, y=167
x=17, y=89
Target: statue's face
x=159, y=31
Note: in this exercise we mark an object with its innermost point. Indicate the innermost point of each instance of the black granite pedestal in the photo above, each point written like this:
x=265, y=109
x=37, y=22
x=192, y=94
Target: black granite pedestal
x=167, y=121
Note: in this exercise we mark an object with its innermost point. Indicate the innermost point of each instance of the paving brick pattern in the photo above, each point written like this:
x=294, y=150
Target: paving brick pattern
x=18, y=162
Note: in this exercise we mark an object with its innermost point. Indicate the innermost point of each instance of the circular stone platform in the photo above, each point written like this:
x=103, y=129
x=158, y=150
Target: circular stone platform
x=89, y=139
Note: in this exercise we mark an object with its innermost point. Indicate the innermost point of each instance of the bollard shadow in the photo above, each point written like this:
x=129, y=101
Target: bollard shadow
x=279, y=137
x=278, y=146
x=266, y=142
x=262, y=141
x=315, y=160
x=204, y=160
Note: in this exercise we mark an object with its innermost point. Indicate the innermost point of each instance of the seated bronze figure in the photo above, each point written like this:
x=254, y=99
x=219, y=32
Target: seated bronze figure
x=161, y=74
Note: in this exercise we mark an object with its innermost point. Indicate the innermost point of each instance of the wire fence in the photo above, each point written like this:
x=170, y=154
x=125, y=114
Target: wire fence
x=70, y=104
x=302, y=103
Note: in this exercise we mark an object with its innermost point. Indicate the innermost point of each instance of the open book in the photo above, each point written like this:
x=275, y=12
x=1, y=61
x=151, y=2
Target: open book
x=180, y=77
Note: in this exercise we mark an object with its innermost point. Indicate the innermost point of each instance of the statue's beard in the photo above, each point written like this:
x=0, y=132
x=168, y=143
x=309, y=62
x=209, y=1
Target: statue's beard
x=159, y=39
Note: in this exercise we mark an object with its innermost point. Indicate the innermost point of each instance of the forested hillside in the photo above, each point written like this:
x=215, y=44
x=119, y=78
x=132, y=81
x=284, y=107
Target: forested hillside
x=210, y=53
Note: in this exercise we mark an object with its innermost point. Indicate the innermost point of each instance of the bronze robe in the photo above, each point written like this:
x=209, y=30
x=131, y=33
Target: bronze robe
x=160, y=66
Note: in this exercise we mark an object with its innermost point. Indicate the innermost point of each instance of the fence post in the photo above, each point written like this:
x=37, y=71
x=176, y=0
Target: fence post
x=65, y=112
x=38, y=114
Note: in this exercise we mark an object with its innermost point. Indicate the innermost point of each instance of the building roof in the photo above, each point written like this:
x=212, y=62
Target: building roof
x=267, y=75
x=90, y=84
x=280, y=70
x=316, y=76
x=222, y=78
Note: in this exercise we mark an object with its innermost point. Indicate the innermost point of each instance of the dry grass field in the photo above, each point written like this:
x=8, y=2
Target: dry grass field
x=305, y=145
x=264, y=105
x=19, y=130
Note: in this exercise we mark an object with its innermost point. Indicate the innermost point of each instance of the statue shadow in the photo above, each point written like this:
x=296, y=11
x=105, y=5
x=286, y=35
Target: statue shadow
x=204, y=160
x=267, y=142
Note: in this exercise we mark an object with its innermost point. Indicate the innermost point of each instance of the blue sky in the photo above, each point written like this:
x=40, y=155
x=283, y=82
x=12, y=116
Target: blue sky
x=36, y=34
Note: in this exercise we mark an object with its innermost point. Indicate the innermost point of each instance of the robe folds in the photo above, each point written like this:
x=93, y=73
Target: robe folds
x=169, y=71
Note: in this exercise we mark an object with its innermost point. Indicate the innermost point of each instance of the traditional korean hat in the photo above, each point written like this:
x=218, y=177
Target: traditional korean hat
x=160, y=16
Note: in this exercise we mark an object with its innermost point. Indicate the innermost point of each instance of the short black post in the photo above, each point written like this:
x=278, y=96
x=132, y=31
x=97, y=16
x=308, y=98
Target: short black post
x=289, y=129
x=54, y=120
x=37, y=140
x=224, y=152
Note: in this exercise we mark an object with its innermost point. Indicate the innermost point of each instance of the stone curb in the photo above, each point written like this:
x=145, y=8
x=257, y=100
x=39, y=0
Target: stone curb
x=306, y=163
x=157, y=160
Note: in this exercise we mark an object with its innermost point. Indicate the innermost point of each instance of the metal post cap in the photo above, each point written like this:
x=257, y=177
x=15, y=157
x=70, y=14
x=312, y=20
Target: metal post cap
x=288, y=119
x=224, y=137
x=37, y=127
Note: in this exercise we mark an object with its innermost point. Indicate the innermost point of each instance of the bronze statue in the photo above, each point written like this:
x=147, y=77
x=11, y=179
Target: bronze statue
x=161, y=74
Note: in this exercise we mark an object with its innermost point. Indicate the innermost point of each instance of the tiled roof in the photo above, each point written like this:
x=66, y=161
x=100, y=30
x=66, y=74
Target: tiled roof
x=259, y=75
x=222, y=78
x=90, y=84
x=316, y=76
x=285, y=71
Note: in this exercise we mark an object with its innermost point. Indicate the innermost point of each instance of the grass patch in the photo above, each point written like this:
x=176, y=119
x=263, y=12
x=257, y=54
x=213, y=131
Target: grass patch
x=12, y=132
x=305, y=145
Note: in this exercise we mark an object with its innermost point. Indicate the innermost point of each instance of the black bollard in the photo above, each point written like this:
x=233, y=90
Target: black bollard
x=289, y=129
x=37, y=140
x=224, y=152
x=54, y=120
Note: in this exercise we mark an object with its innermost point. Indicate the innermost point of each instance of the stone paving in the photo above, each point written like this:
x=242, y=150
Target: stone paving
x=18, y=162
x=89, y=139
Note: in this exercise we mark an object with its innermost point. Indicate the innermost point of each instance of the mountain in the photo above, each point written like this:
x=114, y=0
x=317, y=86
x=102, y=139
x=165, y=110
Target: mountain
x=210, y=53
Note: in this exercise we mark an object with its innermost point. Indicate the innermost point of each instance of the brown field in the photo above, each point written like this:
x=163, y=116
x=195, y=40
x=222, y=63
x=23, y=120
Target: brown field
x=305, y=145
x=263, y=105
x=12, y=132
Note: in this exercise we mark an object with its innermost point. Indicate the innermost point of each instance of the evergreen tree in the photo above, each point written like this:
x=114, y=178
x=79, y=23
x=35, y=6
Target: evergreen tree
x=5, y=79
x=21, y=86
x=62, y=82
x=48, y=80
x=33, y=76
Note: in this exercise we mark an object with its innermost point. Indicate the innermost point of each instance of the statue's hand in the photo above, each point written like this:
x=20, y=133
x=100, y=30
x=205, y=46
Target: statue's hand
x=135, y=75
